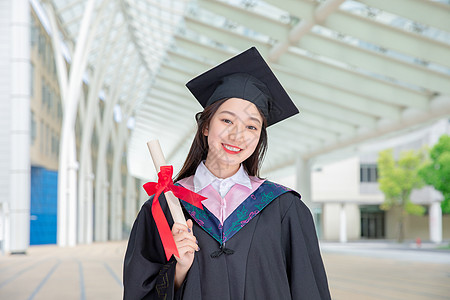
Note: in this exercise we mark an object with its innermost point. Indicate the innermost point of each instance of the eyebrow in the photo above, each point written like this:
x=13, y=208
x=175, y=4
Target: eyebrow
x=234, y=115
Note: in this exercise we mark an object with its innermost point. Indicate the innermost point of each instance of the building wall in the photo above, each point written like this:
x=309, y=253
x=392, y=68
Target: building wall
x=45, y=129
x=415, y=226
x=46, y=107
x=339, y=182
x=446, y=227
x=332, y=221
x=342, y=183
x=5, y=101
x=46, y=119
x=335, y=181
x=14, y=126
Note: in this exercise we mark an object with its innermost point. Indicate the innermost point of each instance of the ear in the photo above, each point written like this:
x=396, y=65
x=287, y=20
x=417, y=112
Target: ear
x=205, y=131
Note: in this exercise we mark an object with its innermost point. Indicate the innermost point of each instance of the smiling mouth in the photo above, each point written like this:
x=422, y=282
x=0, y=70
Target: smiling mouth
x=231, y=149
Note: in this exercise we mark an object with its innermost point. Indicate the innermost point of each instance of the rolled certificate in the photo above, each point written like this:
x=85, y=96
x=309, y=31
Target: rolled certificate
x=173, y=202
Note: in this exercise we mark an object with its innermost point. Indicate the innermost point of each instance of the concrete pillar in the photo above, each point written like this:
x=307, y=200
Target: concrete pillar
x=130, y=204
x=435, y=212
x=72, y=198
x=116, y=227
x=343, y=225
x=435, y=219
x=142, y=194
x=67, y=178
x=85, y=202
x=15, y=123
x=303, y=181
x=104, y=207
x=90, y=209
x=4, y=227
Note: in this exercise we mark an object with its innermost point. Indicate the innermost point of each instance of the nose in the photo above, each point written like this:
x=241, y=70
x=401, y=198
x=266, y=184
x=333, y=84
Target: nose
x=236, y=133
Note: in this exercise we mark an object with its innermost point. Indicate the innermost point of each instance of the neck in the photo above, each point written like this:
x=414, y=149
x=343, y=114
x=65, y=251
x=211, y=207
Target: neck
x=222, y=171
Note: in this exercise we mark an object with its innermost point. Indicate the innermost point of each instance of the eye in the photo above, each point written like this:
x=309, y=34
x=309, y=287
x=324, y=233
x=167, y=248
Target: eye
x=252, y=127
x=227, y=121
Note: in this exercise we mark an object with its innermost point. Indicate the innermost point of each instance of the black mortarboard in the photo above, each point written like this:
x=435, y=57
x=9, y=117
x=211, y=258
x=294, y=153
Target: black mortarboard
x=246, y=76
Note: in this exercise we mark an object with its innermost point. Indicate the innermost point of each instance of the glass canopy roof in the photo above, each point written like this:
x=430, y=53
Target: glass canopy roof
x=357, y=70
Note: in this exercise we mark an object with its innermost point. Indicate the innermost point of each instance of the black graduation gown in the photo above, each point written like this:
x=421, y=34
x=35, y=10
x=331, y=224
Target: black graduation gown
x=276, y=256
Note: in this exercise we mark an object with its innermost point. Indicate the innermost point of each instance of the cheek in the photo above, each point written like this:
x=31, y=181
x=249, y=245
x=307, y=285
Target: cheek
x=252, y=139
x=213, y=138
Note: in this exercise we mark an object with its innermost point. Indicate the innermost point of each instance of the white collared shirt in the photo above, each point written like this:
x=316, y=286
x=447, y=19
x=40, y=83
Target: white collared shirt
x=203, y=177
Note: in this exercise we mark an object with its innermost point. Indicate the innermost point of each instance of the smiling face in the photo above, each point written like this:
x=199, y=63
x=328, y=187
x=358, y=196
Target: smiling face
x=233, y=135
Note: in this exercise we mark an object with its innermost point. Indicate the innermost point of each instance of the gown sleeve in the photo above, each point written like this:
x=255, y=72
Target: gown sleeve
x=305, y=269
x=146, y=273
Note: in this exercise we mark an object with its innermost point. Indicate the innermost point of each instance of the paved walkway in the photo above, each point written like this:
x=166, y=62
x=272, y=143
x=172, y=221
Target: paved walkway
x=362, y=271
x=50, y=272
x=373, y=271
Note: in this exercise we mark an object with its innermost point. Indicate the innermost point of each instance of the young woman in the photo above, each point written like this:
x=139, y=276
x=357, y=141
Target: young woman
x=254, y=239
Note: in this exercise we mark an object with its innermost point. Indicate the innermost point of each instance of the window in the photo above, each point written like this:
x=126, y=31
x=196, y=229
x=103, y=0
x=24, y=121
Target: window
x=32, y=128
x=41, y=44
x=31, y=79
x=34, y=31
x=41, y=138
x=45, y=94
x=53, y=66
x=47, y=139
x=50, y=101
x=368, y=173
x=59, y=109
x=54, y=144
x=372, y=222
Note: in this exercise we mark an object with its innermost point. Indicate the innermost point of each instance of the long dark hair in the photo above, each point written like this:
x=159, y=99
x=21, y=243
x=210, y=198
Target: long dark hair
x=199, y=147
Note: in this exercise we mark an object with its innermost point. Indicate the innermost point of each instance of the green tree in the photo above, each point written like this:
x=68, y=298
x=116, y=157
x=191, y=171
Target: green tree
x=437, y=171
x=397, y=179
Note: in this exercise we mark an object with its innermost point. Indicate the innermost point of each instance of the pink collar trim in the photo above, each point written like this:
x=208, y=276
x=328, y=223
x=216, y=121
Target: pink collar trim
x=223, y=207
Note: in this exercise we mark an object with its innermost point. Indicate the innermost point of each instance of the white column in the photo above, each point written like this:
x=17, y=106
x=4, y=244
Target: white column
x=343, y=225
x=19, y=110
x=101, y=206
x=115, y=230
x=67, y=180
x=130, y=205
x=101, y=196
x=86, y=175
x=142, y=194
x=85, y=200
x=303, y=181
x=116, y=193
x=89, y=238
x=72, y=203
x=435, y=211
x=303, y=186
x=82, y=203
x=104, y=211
x=435, y=219
x=5, y=230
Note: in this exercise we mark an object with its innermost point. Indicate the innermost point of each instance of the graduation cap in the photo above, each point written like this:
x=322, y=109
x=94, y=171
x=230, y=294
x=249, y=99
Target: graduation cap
x=246, y=76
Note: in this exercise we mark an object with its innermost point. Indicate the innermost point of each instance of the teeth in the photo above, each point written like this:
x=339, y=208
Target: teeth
x=232, y=148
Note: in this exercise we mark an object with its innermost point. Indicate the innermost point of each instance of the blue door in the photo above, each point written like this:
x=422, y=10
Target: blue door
x=43, y=208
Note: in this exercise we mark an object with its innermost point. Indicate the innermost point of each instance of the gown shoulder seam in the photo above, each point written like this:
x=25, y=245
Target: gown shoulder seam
x=289, y=207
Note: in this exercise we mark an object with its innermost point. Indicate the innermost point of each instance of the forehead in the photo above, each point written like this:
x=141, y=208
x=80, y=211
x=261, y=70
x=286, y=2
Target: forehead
x=242, y=108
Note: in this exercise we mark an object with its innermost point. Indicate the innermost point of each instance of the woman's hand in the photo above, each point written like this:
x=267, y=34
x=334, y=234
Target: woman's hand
x=187, y=245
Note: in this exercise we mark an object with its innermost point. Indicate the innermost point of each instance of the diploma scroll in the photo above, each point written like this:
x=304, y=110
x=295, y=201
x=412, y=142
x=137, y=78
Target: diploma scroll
x=173, y=202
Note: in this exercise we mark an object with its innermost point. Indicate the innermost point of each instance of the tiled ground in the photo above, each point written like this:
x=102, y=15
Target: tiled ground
x=95, y=272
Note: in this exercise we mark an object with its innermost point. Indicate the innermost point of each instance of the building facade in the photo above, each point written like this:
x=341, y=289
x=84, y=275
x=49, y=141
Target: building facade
x=348, y=193
x=34, y=219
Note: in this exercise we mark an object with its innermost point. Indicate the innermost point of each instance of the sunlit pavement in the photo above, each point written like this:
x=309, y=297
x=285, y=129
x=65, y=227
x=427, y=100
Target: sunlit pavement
x=50, y=272
x=355, y=271
x=387, y=270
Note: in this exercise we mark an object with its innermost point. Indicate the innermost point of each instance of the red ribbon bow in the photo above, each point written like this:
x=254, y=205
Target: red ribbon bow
x=163, y=185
